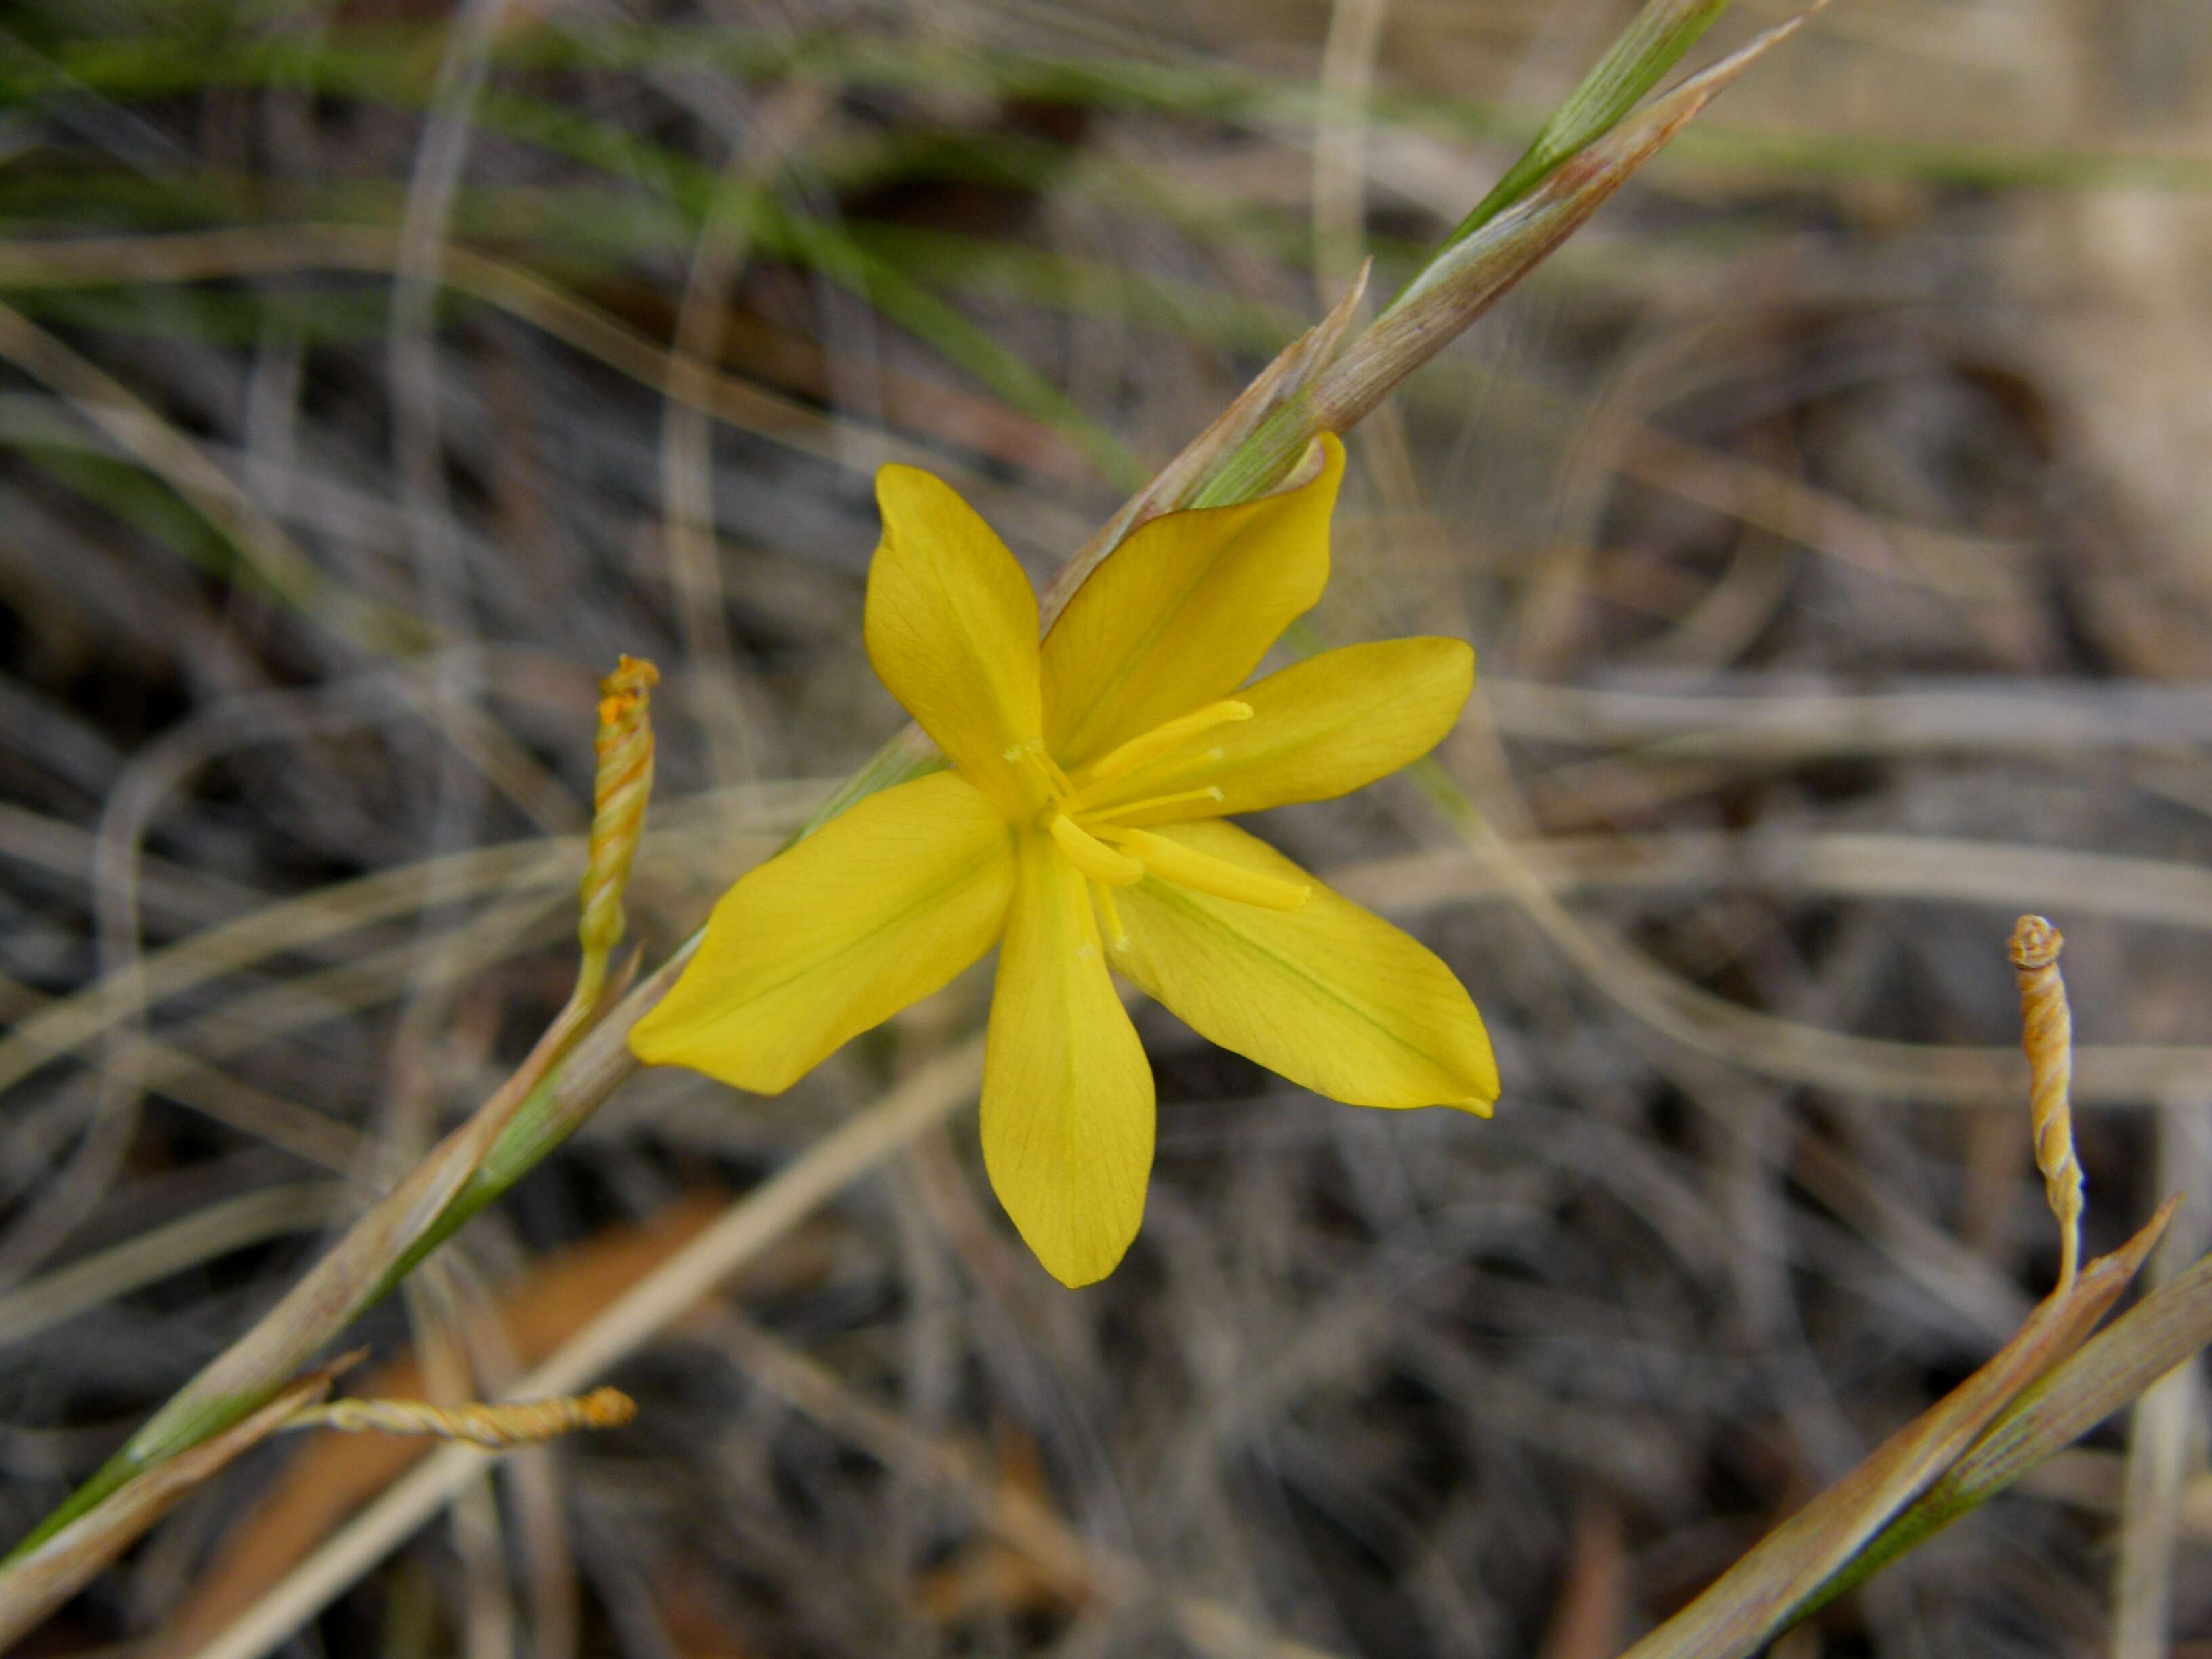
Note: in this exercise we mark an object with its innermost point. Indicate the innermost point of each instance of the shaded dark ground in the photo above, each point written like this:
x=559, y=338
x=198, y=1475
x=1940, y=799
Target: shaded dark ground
x=1888, y=383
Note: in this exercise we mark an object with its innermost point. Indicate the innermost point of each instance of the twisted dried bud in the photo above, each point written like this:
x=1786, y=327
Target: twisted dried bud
x=619, y=793
x=2047, y=1036
x=493, y=1426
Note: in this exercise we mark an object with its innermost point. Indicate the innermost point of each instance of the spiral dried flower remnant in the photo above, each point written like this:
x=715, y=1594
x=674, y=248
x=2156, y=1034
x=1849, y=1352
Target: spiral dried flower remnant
x=2047, y=1036
x=494, y=1425
x=620, y=790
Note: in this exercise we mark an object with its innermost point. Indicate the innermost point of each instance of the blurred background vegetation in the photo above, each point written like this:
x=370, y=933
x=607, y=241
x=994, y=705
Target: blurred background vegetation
x=1829, y=518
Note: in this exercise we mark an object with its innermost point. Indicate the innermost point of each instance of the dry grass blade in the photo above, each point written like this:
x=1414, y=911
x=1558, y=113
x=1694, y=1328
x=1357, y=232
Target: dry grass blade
x=1784, y=1570
x=1706, y=1022
x=277, y=562
x=672, y=1290
x=2162, y=1423
x=69, y=1025
x=33, y=1307
x=42, y=1579
x=193, y=256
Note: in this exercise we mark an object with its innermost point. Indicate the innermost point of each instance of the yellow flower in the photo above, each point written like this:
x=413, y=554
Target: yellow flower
x=1079, y=828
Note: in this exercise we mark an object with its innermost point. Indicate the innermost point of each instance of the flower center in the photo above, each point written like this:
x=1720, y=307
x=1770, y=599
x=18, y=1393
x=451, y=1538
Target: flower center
x=1111, y=853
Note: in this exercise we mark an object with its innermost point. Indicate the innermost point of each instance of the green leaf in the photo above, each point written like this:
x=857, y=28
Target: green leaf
x=1650, y=45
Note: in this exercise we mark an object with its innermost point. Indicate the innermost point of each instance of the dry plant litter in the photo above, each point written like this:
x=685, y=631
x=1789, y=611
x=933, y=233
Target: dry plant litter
x=377, y=378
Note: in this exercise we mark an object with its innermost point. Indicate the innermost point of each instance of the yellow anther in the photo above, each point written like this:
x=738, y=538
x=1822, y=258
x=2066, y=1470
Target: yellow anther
x=1093, y=857
x=1172, y=861
x=1119, y=762
x=1211, y=793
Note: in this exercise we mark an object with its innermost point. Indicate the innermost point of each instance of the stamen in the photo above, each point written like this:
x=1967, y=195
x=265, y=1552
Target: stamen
x=1116, y=935
x=1172, y=861
x=1120, y=761
x=1031, y=754
x=1092, y=856
x=1211, y=792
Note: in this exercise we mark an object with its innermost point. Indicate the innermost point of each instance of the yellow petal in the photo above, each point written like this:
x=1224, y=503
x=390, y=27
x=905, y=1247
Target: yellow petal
x=1068, y=1093
x=1180, y=613
x=1329, y=996
x=874, y=910
x=952, y=631
x=1320, y=728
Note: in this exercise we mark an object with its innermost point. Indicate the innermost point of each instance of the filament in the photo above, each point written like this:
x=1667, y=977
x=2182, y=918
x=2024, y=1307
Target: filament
x=1185, y=866
x=1033, y=755
x=1211, y=793
x=1148, y=746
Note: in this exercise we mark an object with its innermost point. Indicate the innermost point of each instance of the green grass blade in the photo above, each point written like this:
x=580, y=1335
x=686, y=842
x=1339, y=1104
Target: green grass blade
x=1650, y=45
